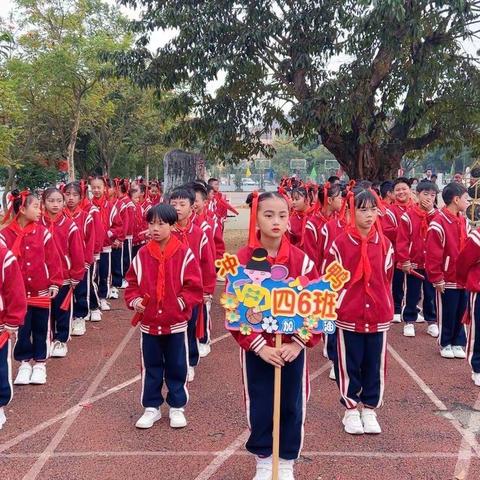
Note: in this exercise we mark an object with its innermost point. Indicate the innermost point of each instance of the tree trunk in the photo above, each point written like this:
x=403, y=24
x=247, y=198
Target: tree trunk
x=73, y=140
x=181, y=167
x=9, y=185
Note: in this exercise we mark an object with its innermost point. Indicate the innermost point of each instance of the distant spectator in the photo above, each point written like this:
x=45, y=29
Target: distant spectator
x=333, y=180
x=428, y=174
x=458, y=177
x=413, y=183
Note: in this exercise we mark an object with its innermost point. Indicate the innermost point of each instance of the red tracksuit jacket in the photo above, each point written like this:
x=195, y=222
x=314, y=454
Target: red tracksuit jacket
x=468, y=263
x=328, y=234
x=110, y=227
x=69, y=244
x=183, y=290
x=139, y=224
x=13, y=301
x=361, y=308
x=443, y=246
x=298, y=264
x=85, y=224
x=312, y=236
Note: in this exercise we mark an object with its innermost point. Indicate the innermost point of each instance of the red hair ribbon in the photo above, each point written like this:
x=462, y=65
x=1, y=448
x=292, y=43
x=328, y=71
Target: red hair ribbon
x=252, y=233
x=9, y=215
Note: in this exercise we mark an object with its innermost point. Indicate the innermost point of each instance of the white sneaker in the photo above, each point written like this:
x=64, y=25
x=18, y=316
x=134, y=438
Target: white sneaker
x=459, y=352
x=432, y=330
x=476, y=378
x=447, y=352
x=95, y=315
x=3, y=418
x=177, y=418
x=285, y=470
x=124, y=284
x=409, y=330
x=264, y=469
x=104, y=305
x=331, y=375
x=352, y=422
x=39, y=374
x=190, y=374
x=150, y=416
x=24, y=374
x=420, y=318
x=397, y=318
x=78, y=327
x=204, y=349
x=369, y=420
x=59, y=349
x=113, y=293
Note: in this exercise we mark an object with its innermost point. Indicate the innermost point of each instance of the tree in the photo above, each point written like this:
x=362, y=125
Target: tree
x=403, y=83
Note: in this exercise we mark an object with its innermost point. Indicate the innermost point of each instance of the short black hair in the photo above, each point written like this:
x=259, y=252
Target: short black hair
x=427, y=186
x=209, y=189
x=385, y=188
x=183, y=193
x=333, y=178
x=212, y=179
x=399, y=180
x=200, y=188
x=452, y=190
x=162, y=211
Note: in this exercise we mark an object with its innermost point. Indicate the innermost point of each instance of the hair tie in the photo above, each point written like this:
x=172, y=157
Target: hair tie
x=252, y=232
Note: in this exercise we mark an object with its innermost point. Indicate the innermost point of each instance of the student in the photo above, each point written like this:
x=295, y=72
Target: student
x=299, y=215
x=41, y=269
x=154, y=193
x=364, y=312
x=446, y=237
x=182, y=200
x=166, y=270
x=68, y=241
x=411, y=240
x=221, y=205
x=14, y=302
x=140, y=225
x=85, y=224
x=268, y=226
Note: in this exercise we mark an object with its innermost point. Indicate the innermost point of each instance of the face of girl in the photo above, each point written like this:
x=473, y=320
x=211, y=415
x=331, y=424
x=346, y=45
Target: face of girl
x=335, y=203
x=402, y=192
x=183, y=208
x=272, y=217
x=54, y=203
x=159, y=230
x=72, y=199
x=98, y=188
x=32, y=212
x=154, y=190
x=199, y=204
x=299, y=202
x=366, y=216
x=462, y=202
x=135, y=196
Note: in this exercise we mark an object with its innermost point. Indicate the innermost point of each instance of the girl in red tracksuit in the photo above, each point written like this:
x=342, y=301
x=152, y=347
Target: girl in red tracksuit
x=269, y=212
x=166, y=271
x=139, y=220
x=299, y=216
x=364, y=312
x=41, y=269
x=14, y=308
x=68, y=240
x=85, y=224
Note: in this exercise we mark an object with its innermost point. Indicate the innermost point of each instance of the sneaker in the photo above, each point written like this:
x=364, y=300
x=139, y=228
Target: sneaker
x=191, y=374
x=150, y=416
x=264, y=469
x=95, y=315
x=397, y=318
x=39, y=374
x=104, y=305
x=459, y=352
x=3, y=418
x=78, y=327
x=285, y=470
x=409, y=330
x=331, y=375
x=24, y=374
x=59, y=349
x=420, y=318
x=369, y=420
x=476, y=378
x=177, y=418
x=447, y=352
x=204, y=349
x=432, y=330
x=352, y=422
x=124, y=284
x=113, y=293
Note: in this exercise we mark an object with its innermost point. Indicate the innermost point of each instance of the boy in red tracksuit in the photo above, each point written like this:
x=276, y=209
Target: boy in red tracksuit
x=364, y=312
x=14, y=301
x=69, y=244
x=166, y=271
x=446, y=237
x=221, y=205
x=189, y=234
x=468, y=273
x=410, y=250
x=41, y=269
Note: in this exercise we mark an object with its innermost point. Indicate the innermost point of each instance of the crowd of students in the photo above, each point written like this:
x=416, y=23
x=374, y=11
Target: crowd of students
x=64, y=256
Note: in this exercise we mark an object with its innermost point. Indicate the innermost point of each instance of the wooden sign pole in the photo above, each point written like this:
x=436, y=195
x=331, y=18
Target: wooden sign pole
x=276, y=413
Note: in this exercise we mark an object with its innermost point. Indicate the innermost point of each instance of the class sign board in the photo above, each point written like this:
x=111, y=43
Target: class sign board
x=260, y=297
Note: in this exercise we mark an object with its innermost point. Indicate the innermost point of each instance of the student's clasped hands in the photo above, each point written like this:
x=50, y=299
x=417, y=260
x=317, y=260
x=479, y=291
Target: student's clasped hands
x=277, y=357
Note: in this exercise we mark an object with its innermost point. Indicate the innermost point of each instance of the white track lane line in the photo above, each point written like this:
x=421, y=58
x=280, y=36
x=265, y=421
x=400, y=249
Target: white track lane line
x=215, y=465
x=467, y=435
x=78, y=408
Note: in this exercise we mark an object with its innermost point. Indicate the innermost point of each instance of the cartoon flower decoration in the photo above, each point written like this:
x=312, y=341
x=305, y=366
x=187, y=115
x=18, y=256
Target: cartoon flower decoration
x=311, y=322
x=304, y=333
x=232, y=316
x=245, y=329
x=269, y=324
x=229, y=301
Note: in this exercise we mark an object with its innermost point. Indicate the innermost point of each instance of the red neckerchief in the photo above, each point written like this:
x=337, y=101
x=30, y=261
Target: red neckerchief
x=102, y=204
x=283, y=253
x=183, y=231
x=460, y=221
x=68, y=213
x=50, y=222
x=406, y=205
x=424, y=219
x=162, y=256
x=21, y=233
